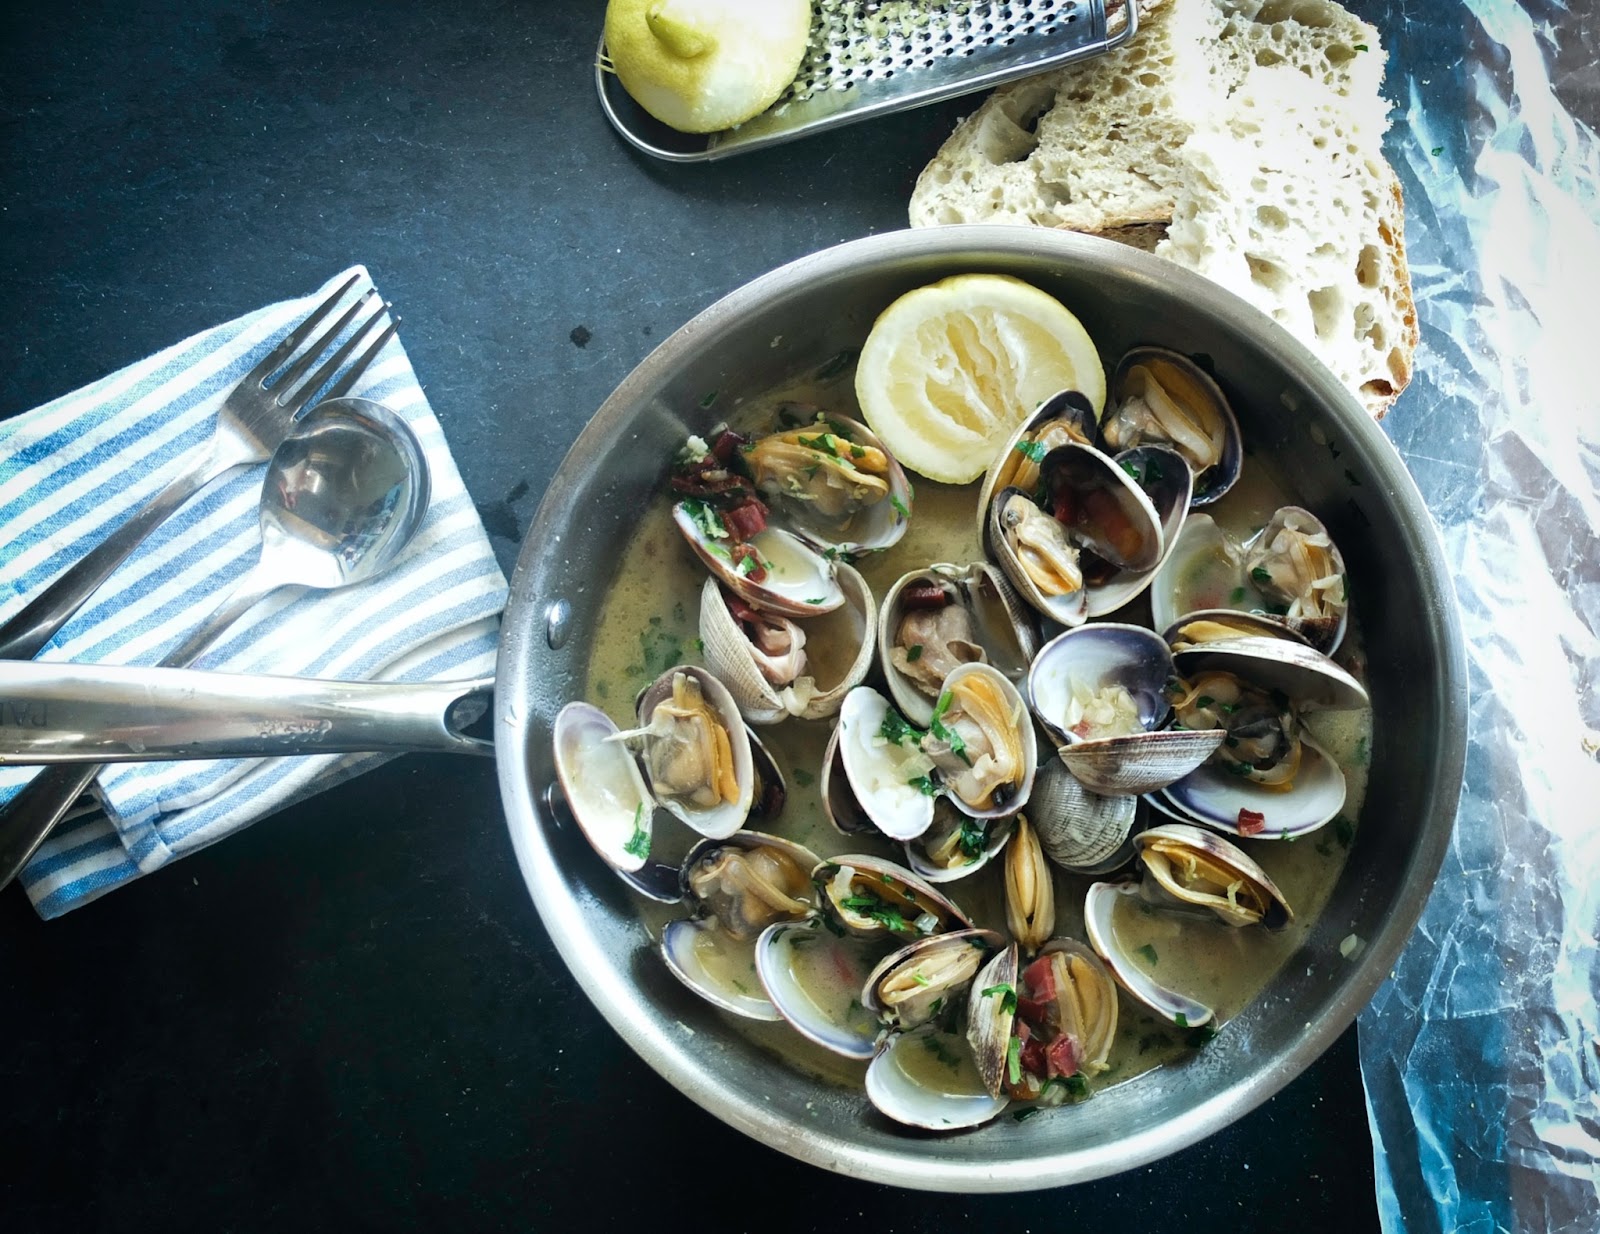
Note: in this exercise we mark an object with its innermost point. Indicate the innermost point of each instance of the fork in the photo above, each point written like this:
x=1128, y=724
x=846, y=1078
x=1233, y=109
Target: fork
x=254, y=419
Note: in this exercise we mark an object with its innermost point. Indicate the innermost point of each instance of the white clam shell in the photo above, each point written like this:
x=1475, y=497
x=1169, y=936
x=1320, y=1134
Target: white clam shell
x=1214, y=797
x=1169, y=1004
x=1202, y=570
x=799, y=582
x=845, y=635
x=814, y=980
x=898, y=809
x=904, y=1085
x=1097, y=657
x=1311, y=680
x=718, y=968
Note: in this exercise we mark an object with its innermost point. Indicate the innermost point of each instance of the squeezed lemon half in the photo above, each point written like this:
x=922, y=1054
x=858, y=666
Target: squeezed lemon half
x=951, y=370
x=706, y=65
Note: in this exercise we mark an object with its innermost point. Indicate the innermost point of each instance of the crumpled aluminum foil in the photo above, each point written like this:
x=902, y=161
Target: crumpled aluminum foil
x=1481, y=1054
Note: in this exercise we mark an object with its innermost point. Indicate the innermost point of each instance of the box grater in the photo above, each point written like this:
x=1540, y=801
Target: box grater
x=871, y=57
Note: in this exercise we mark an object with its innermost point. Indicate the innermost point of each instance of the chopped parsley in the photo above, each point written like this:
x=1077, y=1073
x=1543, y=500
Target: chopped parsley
x=1023, y=1115
x=919, y=979
x=896, y=730
x=925, y=785
x=1344, y=830
x=913, y=653
x=1133, y=470
x=876, y=908
x=638, y=844
x=972, y=836
x=1344, y=589
x=1149, y=953
x=1014, y=1060
x=709, y=399
x=857, y=452
x=822, y=443
x=803, y=778
x=1205, y=700
x=1031, y=449
x=1362, y=47
x=1260, y=575
x=900, y=507
x=937, y=1048
x=1181, y=1020
x=1008, y=998
x=705, y=519
x=1237, y=597
x=1436, y=151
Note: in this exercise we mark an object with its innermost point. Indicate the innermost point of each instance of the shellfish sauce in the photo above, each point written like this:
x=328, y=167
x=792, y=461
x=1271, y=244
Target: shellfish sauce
x=649, y=622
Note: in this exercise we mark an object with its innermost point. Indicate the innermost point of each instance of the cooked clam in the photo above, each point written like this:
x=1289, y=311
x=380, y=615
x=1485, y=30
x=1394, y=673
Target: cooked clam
x=695, y=750
x=738, y=887
x=937, y=619
x=1190, y=866
x=874, y=898
x=832, y=482
x=1159, y=396
x=981, y=741
x=1101, y=691
x=1295, y=565
x=956, y=844
x=1049, y=1021
x=1030, y=890
x=921, y=980
x=1081, y=831
x=775, y=666
x=1067, y=417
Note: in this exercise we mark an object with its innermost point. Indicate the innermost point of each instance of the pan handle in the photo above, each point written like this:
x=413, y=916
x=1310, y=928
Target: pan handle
x=77, y=713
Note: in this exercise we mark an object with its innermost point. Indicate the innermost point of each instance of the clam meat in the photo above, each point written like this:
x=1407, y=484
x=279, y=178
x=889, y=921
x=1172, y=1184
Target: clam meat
x=977, y=741
x=828, y=471
x=746, y=889
x=934, y=636
x=1263, y=741
x=1162, y=397
x=1041, y=547
x=1296, y=566
x=687, y=752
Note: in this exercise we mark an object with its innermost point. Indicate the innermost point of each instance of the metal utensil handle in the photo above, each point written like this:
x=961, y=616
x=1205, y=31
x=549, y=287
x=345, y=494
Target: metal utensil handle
x=76, y=714
x=36, y=624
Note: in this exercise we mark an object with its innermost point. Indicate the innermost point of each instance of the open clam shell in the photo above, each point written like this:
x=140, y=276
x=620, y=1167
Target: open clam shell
x=787, y=576
x=1214, y=797
x=837, y=649
x=1099, y=907
x=1198, y=869
x=737, y=887
x=911, y=986
x=936, y=618
x=608, y=798
x=1295, y=565
x=1167, y=481
x=886, y=779
x=1290, y=574
x=1162, y=397
x=813, y=979
x=692, y=781
x=1101, y=691
x=1311, y=680
x=870, y=897
x=832, y=482
x=993, y=774
x=1064, y=417
x=957, y=844
x=928, y=1079
x=1087, y=523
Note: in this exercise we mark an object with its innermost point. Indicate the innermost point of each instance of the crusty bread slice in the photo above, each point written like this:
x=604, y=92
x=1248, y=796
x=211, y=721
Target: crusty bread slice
x=1287, y=202
x=1168, y=144
x=1094, y=146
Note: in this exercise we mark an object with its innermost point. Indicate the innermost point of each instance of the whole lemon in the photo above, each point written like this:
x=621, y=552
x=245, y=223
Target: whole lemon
x=706, y=65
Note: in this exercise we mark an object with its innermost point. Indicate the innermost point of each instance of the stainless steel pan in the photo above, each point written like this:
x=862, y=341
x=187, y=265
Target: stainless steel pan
x=795, y=319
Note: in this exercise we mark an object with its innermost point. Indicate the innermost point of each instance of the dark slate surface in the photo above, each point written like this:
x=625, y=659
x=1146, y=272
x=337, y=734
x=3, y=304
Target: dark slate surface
x=351, y=1015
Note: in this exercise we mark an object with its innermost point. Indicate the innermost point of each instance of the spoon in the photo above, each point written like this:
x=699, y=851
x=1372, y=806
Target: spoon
x=343, y=495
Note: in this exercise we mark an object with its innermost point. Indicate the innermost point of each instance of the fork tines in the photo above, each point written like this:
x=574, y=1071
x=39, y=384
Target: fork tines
x=293, y=389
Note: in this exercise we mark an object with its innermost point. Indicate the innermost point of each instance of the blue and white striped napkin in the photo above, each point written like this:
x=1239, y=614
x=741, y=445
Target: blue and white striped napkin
x=72, y=470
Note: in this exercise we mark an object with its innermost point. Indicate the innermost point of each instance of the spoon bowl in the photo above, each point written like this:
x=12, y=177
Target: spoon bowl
x=344, y=493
